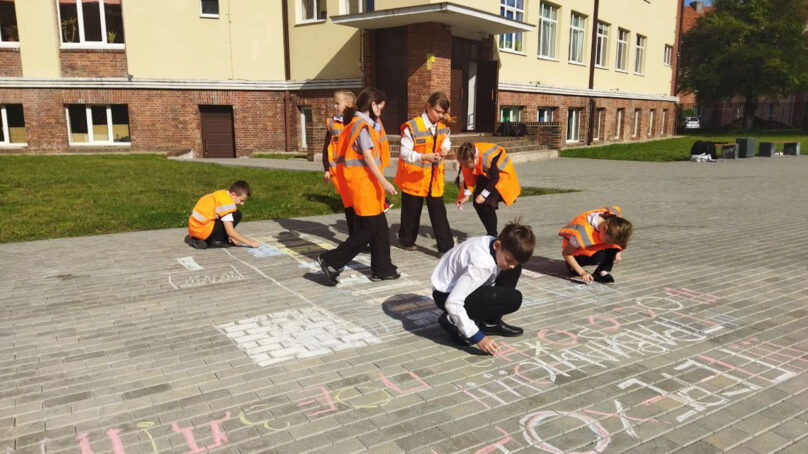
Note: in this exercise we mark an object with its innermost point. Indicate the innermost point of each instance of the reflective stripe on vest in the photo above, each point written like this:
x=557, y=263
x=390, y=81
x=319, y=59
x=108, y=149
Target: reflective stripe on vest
x=198, y=216
x=360, y=162
x=222, y=208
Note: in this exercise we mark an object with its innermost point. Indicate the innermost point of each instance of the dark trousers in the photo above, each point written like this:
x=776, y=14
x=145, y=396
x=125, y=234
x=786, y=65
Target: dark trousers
x=350, y=219
x=604, y=259
x=490, y=302
x=219, y=233
x=369, y=229
x=487, y=211
x=411, y=206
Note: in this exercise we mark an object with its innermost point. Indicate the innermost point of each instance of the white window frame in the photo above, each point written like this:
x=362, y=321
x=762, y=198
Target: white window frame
x=346, y=7
x=89, y=119
x=639, y=54
x=574, y=116
x=549, y=111
x=11, y=44
x=664, y=119
x=82, y=44
x=666, y=57
x=598, y=120
x=651, y=115
x=516, y=109
x=577, y=31
x=205, y=15
x=305, y=114
x=636, y=128
x=552, y=23
x=602, y=45
x=621, y=59
x=618, y=123
x=316, y=5
x=518, y=15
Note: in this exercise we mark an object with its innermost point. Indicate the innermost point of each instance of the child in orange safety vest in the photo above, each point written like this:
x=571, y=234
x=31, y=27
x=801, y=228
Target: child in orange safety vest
x=595, y=237
x=487, y=168
x=343, y=99
x=215, y=216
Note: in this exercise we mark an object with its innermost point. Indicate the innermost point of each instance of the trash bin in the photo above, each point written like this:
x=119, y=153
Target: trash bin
x=746, y=147
x=767, y=149
x=791, y=148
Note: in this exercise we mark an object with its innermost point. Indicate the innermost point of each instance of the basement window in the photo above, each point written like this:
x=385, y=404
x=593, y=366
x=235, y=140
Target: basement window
x=98, y=125
x=12, y=125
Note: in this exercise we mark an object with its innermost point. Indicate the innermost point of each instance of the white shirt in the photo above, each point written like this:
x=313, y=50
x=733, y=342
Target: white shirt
x=406, y=152
x=465, y=268
x=594, y=220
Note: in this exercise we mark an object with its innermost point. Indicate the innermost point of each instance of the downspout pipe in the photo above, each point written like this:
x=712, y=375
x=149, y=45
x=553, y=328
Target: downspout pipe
x=287, y=76
x=591, y=101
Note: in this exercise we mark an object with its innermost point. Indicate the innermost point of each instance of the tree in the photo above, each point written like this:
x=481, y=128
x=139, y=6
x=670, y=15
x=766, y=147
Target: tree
x=747, y=48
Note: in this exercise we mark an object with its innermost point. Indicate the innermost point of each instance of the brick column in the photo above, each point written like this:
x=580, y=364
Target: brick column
x=429, y=63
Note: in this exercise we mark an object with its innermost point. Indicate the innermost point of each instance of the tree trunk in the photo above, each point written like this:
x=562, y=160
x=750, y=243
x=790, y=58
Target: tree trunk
x=749, y=107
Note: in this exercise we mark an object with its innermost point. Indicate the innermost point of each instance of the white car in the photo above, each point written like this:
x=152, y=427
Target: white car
x=692, y=123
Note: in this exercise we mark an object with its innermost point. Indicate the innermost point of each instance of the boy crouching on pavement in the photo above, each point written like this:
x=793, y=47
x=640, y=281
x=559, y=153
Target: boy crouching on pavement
x=215, y=216
x=475, y=285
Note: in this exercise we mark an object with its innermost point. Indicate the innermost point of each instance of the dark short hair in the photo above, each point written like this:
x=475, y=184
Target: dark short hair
x=439, y=98
x=240, y=187
x=619, y=230
x=518, y=239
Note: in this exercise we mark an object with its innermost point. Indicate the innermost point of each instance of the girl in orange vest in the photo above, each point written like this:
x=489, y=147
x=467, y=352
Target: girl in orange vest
x=361, y=157
x=343, y=99
x=595, y=237
x=424, y=143
x=487, y=168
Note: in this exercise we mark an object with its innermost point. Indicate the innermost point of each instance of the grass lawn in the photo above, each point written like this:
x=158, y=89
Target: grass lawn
x=61, y=196
x=678, y=149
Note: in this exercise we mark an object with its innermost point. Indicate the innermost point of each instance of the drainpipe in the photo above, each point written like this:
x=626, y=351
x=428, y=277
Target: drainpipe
x=286, y=72
x=591, y=102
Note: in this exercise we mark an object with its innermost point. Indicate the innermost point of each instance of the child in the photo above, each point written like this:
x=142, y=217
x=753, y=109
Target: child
x=595, y=237
x=215, y=216
x=487, y=168
x=360, y=156
x=475, y=284
x=424, y=142
x=343, y=99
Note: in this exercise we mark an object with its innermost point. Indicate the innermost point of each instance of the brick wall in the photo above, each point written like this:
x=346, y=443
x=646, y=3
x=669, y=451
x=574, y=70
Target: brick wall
x=424, y=40
x=93, y=63
x=530, y=103
x=10, y=63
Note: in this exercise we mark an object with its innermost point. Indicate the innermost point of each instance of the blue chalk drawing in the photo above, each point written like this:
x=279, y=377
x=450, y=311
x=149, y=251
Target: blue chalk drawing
x=264, y=251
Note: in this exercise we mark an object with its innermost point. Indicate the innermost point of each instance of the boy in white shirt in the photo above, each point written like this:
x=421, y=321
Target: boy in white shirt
x=475, y=284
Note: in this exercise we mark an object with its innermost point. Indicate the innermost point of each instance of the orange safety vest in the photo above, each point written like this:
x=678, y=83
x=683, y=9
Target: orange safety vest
x=414, y=178
x=208, y=209
x=334, y=127
x=361, y=189
x=586, y=235
x=508, y=184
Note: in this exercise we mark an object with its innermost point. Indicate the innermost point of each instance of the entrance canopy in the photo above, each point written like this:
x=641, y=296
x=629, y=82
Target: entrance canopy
x=460, y=18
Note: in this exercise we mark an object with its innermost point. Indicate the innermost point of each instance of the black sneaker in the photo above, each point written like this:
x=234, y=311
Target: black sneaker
x=219, y=244
x=604, y=279
x=499, y=328
x=407, y=247
x=329, y=273
x=195, y=243
x=390, y=277
x=452, y=331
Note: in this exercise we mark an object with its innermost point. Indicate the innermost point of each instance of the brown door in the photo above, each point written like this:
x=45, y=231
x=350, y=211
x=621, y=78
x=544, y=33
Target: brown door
x=487, y=80
x=217, y=132
x=391, y=75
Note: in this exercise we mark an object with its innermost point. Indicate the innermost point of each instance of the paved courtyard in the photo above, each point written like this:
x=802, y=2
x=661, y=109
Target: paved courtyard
x=136, y=343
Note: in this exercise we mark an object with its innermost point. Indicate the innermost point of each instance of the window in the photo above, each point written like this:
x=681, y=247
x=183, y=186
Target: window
x=636, y=129
x=8, y=23
x=639, y=55
x=548, y=27
x=358, y=6
x=509, y=113
x=313, y=10
x=618, y=124
x=515, y=10
x=91, y=22
x=210, y=8
x=544, y=114
x=577, y=26
x=602, y=44
x=622, y=50
x=651, y=116
x=662, y=127
x=97, y=125
x=573, y=124
x=306, y=124
x=598, y=124
x=12, y=125
x=667, y=57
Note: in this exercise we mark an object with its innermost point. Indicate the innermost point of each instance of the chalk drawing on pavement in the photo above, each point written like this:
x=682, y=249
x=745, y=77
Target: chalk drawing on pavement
x=193, y=279
x=189, y=263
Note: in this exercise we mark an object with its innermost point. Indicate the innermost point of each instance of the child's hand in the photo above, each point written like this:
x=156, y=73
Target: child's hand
x=587, y=278
x=488, y=345
x=430, y=157
x=388, y=187
x=479, y=200
x=460, y=202
x=326, y=177
x=253, y=244
x=618, y=257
